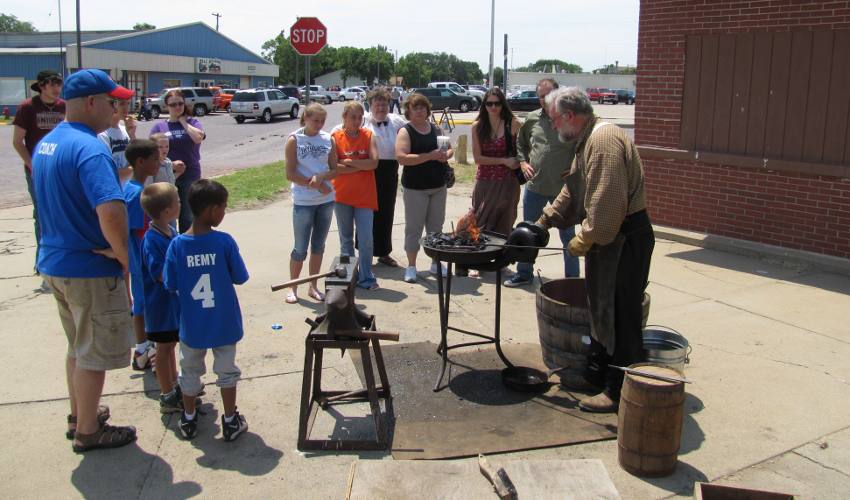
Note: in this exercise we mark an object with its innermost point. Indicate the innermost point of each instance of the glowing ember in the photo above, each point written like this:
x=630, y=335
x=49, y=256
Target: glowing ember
x=467, y=224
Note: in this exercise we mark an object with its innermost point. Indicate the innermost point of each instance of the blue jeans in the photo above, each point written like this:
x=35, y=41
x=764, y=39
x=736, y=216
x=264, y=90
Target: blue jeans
x=36, y=225
x=347, y=219
x=532, y=209
x=311, y=224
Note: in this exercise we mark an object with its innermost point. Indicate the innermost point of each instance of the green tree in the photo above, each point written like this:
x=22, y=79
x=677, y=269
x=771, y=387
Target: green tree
x=10, y=23
x=498, y=76
x=550, y=66
x=143, y=27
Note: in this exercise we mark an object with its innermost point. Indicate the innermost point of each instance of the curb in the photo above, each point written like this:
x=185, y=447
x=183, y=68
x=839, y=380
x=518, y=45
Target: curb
x=787, y=256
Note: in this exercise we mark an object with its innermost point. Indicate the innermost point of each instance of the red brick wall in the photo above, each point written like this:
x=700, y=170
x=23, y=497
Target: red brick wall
x=790, y=210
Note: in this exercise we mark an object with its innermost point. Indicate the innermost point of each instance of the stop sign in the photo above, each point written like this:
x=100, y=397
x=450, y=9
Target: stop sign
x=308, y=36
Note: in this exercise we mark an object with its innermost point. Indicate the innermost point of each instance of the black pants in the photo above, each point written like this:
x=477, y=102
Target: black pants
x=632, y=280
x=386, y=180
x=184, y=221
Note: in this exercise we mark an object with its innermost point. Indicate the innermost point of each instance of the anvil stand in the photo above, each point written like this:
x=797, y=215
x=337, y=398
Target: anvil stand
x=444, y=296
x=343, y=327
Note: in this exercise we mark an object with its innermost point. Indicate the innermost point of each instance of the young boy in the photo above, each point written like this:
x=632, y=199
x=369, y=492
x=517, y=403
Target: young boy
x=143, y=156
x=162, y=205
x=168, y=171
x=202, y=265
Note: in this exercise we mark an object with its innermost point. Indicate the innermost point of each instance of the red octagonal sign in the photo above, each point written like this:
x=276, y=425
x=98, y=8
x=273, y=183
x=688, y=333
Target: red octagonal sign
x=308, y=36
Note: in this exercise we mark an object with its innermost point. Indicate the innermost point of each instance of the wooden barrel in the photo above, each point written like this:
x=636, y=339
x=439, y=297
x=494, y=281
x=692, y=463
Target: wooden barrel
x=563, y=324
x=650, y=422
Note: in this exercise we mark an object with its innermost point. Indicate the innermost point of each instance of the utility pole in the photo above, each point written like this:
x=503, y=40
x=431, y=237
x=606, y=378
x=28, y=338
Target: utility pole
x=492, y=27
x=79, y=40
x=217, y=15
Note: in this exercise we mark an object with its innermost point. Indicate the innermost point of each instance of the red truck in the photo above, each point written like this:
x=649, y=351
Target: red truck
x=602, y=95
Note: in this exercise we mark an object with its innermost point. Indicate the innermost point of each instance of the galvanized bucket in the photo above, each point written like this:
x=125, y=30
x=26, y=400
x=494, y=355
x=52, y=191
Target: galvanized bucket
x=665, y=346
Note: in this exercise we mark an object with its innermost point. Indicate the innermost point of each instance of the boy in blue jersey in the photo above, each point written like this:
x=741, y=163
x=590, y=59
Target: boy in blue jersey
x=143, y=156
x=162, y=205
x=202, y=265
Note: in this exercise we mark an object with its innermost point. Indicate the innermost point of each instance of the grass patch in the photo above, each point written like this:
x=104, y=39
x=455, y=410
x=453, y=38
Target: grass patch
x=259, y=185
x=256, y=185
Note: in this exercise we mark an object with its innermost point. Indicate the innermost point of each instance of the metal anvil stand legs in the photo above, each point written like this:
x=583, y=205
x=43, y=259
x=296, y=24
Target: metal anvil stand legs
x=444, y=296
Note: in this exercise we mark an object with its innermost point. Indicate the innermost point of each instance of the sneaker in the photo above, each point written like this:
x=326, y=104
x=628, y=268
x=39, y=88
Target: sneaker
x=171, y=402
x=232, y=430
x=410, y=274
x=188, y=428
x=442, y=269
x=144, y=360
x=516, y=280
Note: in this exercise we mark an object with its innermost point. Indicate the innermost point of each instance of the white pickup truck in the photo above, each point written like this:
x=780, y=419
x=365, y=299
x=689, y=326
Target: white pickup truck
x=319, y=94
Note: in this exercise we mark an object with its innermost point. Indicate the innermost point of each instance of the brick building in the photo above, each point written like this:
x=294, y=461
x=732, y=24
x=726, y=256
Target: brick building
x=743, y=120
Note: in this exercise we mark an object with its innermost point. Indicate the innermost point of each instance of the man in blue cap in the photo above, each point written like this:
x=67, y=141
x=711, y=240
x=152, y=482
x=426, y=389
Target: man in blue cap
x=84, y=251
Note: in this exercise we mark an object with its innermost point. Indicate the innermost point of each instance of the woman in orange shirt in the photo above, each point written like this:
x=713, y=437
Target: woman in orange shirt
x=356, y=194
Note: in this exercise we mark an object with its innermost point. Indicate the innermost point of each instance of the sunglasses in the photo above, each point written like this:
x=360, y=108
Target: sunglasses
x=176, y=104
x=490, y=104
x=52, y=81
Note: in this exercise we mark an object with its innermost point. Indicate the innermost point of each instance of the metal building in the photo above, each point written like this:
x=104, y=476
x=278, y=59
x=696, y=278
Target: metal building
x=148, y=61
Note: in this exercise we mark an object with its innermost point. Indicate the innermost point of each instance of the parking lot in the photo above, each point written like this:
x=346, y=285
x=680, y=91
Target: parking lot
x=230, y=146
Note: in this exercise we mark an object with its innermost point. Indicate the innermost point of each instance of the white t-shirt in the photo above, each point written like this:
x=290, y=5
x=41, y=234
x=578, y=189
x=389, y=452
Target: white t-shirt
x=312, y=154
x=116, y=139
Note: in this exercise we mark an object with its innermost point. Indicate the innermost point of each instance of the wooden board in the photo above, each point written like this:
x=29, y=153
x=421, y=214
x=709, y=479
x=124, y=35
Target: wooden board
x=537, y=479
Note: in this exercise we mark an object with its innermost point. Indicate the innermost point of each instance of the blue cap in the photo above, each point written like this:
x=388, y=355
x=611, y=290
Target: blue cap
x=88, y=82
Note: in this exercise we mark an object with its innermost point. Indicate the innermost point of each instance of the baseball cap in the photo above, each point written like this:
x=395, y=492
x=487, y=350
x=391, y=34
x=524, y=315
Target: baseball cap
x=44, y=76
x=88, y=82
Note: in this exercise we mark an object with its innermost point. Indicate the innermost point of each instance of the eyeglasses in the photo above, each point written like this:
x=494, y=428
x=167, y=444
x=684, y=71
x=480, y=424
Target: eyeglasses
x=176, y=104
x=111, y=101
x=490, y=104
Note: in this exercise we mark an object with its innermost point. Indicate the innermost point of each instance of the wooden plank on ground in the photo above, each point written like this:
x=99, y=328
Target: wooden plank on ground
x=538, y=479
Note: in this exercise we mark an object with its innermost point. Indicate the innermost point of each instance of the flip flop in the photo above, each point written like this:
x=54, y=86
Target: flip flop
x=291, y=298
x=316, y=295
x=388, y=261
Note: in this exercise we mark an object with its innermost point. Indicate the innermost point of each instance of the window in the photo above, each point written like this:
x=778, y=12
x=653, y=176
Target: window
x=445, y=93
x=187, y=93
x=772, y=95
x=248, y=97
x=203, y=92
x=272, y=96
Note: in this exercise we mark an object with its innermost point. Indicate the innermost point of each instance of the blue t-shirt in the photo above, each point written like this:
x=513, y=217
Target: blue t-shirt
x=137, y=222
x=73, y=173
x=203, y=269
x=162, y=311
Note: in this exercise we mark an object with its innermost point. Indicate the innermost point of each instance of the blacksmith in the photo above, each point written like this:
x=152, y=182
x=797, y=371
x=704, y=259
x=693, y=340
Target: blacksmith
x=616, y=237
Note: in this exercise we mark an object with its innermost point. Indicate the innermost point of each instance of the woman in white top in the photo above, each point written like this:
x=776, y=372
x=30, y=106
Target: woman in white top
x=310, y=164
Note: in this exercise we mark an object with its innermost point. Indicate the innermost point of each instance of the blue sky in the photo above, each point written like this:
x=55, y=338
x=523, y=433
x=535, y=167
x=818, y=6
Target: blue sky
x=588, y=33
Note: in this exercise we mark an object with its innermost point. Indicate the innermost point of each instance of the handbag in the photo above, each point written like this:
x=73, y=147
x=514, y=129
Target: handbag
x=450, y=176
x=520, y=176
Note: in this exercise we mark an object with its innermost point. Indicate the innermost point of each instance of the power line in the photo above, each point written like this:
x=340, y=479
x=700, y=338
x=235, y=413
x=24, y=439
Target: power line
x=217, y=15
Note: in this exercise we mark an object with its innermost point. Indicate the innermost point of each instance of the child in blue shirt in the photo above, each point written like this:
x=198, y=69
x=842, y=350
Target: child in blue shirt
x=202, y=265
x=143, y=156
x=162, y=206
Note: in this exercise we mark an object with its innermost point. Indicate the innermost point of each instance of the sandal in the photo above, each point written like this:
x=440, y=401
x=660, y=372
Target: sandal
x=102, y=417
x=291, y=298
x=388, y=261
x=108, y=436
x=316, y=294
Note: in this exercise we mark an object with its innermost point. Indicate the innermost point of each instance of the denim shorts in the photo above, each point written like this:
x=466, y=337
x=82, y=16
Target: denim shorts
x=311, y=224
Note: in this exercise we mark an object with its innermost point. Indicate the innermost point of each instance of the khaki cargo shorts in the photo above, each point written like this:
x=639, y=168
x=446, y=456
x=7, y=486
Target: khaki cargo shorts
x=95, y=314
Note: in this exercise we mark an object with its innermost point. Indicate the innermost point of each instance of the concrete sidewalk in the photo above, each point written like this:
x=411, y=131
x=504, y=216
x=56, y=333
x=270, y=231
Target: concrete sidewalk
x=767, y=409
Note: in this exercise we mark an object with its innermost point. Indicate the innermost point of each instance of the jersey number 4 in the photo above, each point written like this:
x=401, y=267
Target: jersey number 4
x=203, y=292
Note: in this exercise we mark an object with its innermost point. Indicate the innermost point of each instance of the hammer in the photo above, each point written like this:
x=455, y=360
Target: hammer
x=338, y=271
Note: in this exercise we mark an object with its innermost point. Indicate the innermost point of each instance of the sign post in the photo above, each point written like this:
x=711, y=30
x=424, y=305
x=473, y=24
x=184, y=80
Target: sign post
x=308, y=36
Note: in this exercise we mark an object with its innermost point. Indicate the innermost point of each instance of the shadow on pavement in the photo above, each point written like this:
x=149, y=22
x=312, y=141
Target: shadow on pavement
x=123, y=473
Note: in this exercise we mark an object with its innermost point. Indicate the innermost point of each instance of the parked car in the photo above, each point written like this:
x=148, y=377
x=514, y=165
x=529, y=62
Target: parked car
x=601, y=95
x=480, y=88
x=445, y=98
x=198, y=99
x=222, y=97
x=318, y=94
x=626, y=96
x=352, y=93
x=290, y=91
x=454, y=87
x=526, y=100
x=262, y=104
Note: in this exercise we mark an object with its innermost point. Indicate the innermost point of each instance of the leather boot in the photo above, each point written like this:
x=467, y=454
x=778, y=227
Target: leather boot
x=601, y=403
